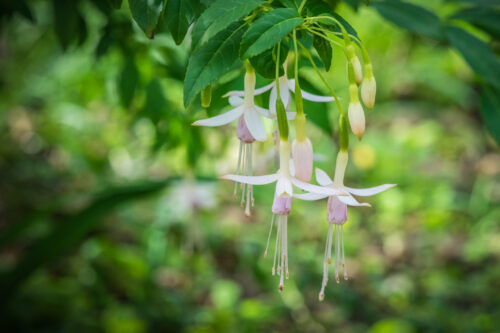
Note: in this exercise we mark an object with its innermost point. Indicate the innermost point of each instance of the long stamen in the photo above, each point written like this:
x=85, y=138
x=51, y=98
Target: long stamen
x=343, y=256
x=250, y=174
x=243, y=167
x=285, y=221
x=337, y=254
x=276, y=247
x=269, y=236
x=329, y=243
x=238, y=167
x=282, y=221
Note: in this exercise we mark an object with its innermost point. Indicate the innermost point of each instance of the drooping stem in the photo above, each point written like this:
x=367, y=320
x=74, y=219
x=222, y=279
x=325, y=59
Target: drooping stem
x=280, y=108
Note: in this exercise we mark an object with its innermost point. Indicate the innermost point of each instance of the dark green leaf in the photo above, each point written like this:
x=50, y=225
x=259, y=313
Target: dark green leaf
x=66, y=22
x=268, y=30
x=324, y=50
x=127, y=83
x=317, y=113
x=477, y=53
x=210, y=22
x=146, y=14
x=490, y=109
x=70, y=231
x=115, y=3
x=212, y=60
x=487, y=19
x=265, y=63
x=411, y=17
x=179, y=14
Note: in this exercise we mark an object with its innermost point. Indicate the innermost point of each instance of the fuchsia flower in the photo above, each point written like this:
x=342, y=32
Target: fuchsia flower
x=282, y=203
x=250, y=128
x=337, y=213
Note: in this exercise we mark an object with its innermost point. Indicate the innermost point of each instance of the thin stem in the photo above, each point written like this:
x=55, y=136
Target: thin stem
x=303, y=3
x=308, y=55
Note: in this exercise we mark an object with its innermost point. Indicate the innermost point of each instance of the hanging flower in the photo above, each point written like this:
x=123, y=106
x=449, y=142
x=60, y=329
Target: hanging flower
x=337, y=213
x=282, y=203
x=250, y=128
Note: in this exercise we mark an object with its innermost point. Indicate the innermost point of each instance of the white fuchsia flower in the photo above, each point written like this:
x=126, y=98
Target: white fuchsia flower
x=282, y=203
x=250, y=128
x=337, y=213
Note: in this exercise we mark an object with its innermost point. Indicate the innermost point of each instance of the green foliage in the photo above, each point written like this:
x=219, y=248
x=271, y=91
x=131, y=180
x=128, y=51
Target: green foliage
x=128, y=81
x=324, y=50
x=268, y=30
x=477, y=53
x=490, y=110
x=210, y=22
x=265, y=63
x=483, y=18
x=411, y=17
x=212, y=60
x=179, y=14
x=146, y=13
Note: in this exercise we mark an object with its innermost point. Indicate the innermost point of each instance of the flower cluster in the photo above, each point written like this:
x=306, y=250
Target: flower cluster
x=298, y=171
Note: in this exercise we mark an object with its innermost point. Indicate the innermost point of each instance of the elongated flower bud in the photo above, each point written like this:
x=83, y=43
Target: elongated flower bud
x=302, y=153
x=356, y=64
x=356, y=113
x=369, y=88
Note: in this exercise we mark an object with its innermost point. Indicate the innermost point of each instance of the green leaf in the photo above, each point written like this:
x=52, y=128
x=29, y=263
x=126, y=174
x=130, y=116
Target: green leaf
x=210, y=22
x=66, y=22
x=324, y=50
x=487, y=19
x=490, y=110
x=411, y=17
x=268, y=30
x=146, y=13
x=115, y=3
x=265, y=63
x=317, y=113
x=127, y=83
x=179, y=14
x=70, y=231
x=477, y=53
x=212, y=60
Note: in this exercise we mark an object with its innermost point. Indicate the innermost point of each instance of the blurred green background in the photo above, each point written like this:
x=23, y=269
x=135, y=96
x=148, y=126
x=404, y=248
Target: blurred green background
x=112, y=218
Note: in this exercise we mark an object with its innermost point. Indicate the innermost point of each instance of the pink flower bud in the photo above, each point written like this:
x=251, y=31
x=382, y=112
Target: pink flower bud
x=282, y=205
x=336, y=212
x=357, y=118
x=243, y=133
x=302, y=153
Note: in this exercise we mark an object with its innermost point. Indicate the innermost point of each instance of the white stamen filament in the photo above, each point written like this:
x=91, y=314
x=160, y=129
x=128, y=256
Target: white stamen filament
x=339, y=256
x=245, y=168
x=280, y=249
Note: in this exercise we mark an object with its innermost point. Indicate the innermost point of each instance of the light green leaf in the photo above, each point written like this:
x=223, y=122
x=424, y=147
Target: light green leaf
x=490, y=109
x=146, y=14
x=411, y=17
x=210, y=22
x=212, y=60
x=477, y=53
x=268, y=30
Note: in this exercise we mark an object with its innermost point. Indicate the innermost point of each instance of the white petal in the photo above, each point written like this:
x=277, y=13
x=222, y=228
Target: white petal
x=262, y=111
x=349, y=200
x=364, y=192
x=272, y=101
x=291, y=115
x=235, y=100
x=252, y=180
x=222, y=119
x=264, y=89
x=309, y=96
x=285, y=92
x=292, y=168
x=254, y=124
x=325, y=190
x=284, y=187
x=310, y=196
x=322, y=177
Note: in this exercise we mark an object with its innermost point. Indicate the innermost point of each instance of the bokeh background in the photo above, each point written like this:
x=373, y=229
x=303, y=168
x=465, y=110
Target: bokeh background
x=112, y=218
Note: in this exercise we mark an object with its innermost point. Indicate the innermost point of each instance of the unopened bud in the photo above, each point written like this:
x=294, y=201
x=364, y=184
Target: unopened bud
x=302, y=153
x=369, y=88
x=206, y=96
x=356, y=64
x=356, y=113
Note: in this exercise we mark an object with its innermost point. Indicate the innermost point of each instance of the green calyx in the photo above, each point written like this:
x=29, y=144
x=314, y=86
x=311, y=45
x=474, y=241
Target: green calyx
x=300, y=127
x=343, y=134
x=282, y=121
x=206, y=96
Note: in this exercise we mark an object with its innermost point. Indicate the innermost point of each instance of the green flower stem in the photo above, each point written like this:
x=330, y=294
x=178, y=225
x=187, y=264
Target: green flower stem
x=308, y=55
x=280, y=108
x=300, y=118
